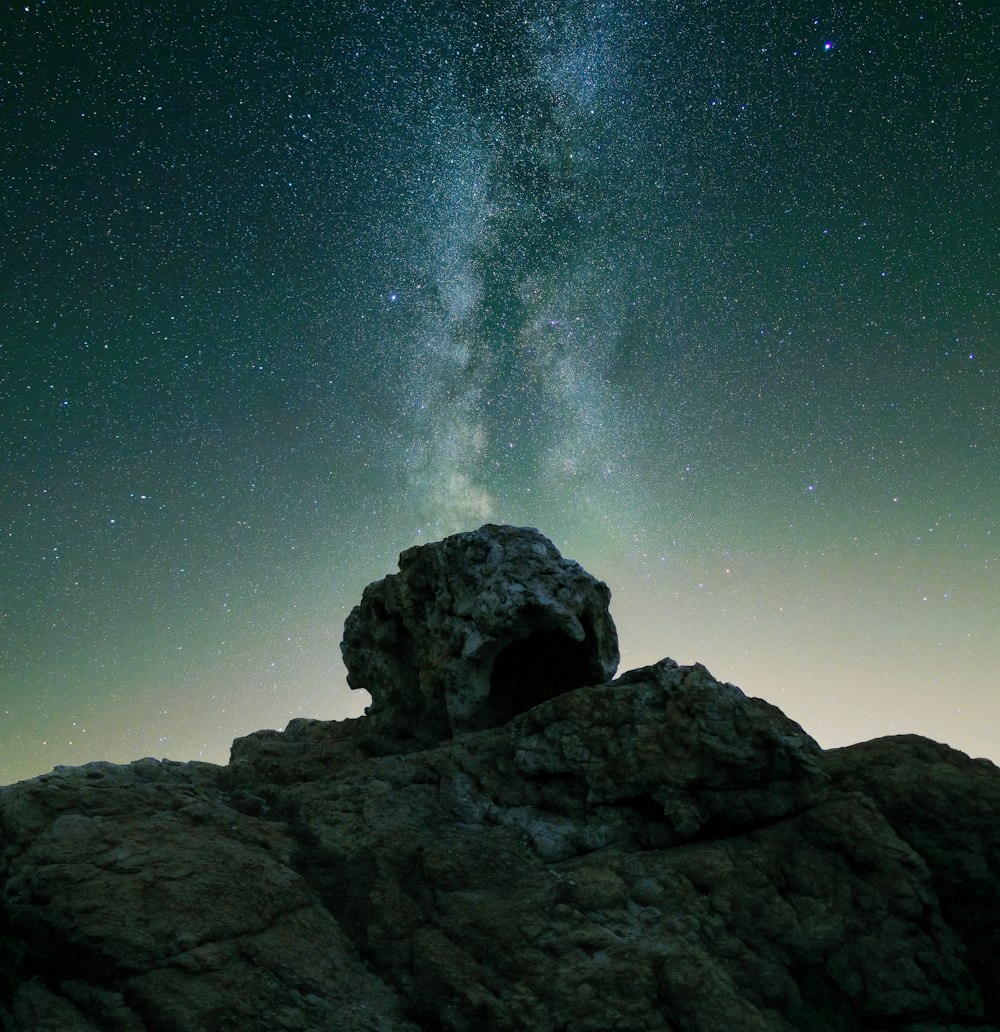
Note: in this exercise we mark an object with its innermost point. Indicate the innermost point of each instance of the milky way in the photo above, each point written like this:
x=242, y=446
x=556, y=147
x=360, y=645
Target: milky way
x=706, y=293
x=507, y=204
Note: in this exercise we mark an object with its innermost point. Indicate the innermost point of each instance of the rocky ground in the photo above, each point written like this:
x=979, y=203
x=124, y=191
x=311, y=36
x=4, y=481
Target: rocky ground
x=652, y=852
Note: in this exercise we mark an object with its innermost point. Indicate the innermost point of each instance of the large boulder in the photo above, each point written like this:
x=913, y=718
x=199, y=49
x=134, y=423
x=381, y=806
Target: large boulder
x=475, y=629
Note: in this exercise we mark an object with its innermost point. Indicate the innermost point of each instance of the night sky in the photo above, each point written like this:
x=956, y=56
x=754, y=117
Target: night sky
x=707, y=292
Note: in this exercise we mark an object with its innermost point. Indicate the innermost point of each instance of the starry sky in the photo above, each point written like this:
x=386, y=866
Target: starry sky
x=707, y=292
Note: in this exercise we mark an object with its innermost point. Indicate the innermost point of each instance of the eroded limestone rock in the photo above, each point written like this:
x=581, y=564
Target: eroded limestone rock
x=474, y=629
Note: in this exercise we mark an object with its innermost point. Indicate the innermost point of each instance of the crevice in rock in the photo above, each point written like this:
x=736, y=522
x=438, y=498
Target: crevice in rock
x=652, y=829
x=250, y=933
x=720, y=827
x=340, y=886
x=821, y=1003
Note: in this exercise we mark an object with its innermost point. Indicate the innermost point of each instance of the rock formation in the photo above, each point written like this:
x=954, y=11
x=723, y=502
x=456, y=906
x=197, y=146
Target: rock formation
x=475, y=629
x=551, y=851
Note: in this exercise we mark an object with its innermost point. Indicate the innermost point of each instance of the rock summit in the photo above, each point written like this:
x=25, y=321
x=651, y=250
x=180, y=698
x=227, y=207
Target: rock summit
x=509, y=840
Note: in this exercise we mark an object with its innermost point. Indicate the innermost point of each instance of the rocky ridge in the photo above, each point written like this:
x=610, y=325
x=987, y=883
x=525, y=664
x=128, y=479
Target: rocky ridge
x=509, y=840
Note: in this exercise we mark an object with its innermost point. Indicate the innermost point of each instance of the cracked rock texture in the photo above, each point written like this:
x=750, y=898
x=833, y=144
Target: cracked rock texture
x=657, y=852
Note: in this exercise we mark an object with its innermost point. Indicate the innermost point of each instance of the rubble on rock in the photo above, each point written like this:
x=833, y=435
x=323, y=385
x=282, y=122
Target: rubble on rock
x=657, y=852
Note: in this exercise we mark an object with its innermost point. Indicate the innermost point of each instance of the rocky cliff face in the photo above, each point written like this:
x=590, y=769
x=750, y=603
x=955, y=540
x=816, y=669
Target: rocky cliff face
x=509, y=841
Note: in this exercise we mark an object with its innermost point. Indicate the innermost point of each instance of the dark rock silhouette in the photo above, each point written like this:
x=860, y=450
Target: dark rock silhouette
x=654, y=852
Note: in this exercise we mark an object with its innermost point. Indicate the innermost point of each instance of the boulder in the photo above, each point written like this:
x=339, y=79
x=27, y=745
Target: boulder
x=474, y=629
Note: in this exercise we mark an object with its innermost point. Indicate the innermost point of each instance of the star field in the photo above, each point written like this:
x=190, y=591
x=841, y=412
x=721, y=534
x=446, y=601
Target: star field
x=707, y=293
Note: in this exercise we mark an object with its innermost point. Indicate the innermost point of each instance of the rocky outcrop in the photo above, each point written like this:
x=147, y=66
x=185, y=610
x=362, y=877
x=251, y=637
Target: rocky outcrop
x=657, y=852
x=474, y=629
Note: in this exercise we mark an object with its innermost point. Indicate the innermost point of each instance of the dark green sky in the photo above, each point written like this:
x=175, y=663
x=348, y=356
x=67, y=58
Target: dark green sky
x=707, y=293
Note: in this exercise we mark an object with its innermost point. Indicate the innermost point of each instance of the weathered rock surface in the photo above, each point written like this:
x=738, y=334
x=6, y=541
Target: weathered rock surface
x=474, y=629
x=655, y=853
